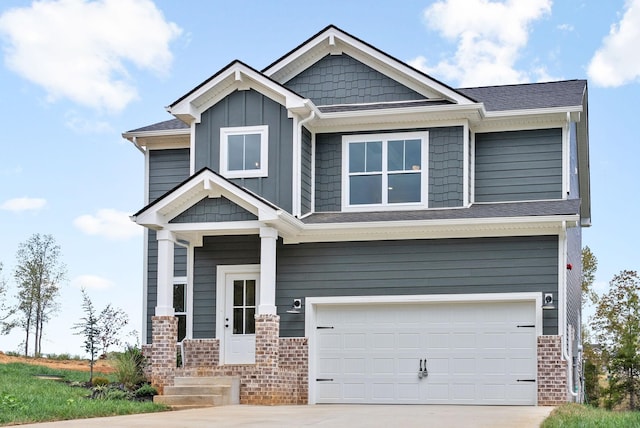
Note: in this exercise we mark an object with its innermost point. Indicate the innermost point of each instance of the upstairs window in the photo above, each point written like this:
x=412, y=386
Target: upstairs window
x=384, y=170
x=244, y=151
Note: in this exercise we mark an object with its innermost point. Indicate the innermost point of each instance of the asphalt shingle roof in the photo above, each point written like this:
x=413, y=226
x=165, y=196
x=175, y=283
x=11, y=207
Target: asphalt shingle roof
x=167, y=125
x=566, y=93
x=509, y=209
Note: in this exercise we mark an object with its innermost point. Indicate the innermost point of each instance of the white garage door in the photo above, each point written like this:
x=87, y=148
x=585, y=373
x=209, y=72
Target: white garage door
x=469, y=353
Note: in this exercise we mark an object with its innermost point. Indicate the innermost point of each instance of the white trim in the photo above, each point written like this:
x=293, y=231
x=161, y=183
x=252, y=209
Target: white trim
x=472, y=169
x=423, y=136
x=263, y=132
x=192, y=149
x=221, y=293
x=296, y=173
x=145, y=284
x=313, y=172
x=311, y=304
x=465, y=165
x=566, y=157
x=190, y=259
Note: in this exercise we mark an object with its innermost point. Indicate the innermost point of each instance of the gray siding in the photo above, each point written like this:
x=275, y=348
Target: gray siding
x=328, y=172
x=223, y=250
x=447, y=266
x=340, y=79
x=446, y=160
x=250, y=108
x=167, y=169
x=518, y=165
x=305, y=169
x=446, y=150
x=214, y=210
x=574, y=283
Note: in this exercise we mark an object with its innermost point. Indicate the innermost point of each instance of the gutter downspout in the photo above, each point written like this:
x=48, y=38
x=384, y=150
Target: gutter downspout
x=563, y=317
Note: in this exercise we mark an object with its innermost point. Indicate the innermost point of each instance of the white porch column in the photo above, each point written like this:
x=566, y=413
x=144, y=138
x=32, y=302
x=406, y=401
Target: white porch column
x=268, y=239
x=165, y=273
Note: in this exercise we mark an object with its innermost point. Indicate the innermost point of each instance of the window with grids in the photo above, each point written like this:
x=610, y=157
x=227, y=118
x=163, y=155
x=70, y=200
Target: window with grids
x=244, y=151
x=384, y=170
x=244, y=306
x=180, y=307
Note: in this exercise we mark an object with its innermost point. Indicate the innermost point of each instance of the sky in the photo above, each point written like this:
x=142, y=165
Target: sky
x=76, y=74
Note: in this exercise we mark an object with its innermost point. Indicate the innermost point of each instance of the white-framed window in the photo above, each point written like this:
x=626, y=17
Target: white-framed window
x=384, y=171
x=180, y=305
x=244, y=151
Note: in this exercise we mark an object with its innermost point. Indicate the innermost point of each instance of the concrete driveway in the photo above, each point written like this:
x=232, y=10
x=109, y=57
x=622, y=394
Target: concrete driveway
x=351, y=416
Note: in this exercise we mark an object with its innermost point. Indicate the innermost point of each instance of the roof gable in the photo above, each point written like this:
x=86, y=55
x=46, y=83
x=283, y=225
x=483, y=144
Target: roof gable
x=334, y=41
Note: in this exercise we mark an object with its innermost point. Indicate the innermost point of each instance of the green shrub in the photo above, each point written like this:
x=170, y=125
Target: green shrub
x=117, y=394
x=100, y=381
x=129, y=367
x=146, y=390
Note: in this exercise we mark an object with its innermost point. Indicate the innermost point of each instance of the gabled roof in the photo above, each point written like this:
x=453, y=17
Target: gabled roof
x=236, y=75
x=332, y=41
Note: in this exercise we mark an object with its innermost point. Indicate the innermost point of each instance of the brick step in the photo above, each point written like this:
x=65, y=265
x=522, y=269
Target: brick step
x=189, y=400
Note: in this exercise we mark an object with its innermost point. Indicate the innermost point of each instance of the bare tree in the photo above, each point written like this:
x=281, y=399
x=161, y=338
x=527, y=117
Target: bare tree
x=38, y=273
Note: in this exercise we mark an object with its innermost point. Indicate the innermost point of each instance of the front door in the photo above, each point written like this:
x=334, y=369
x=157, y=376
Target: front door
x=240, y=325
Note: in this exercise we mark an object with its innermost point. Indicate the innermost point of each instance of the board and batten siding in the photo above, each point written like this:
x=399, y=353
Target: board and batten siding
x=518, y=165
x=167, y=169
x=445, y=169
x=251, y=108
x=442, y=266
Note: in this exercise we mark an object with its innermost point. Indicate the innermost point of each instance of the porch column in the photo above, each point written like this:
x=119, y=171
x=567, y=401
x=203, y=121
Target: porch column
x=268, y=238
x=165, y=273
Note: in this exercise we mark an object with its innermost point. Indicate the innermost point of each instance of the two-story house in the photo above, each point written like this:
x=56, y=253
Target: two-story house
x=343, y=228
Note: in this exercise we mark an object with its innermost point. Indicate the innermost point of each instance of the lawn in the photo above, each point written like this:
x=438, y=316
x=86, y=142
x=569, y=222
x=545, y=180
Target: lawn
x=581, y=416
x=27, y=398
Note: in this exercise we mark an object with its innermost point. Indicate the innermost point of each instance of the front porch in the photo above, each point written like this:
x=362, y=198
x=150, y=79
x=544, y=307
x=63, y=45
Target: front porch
x=279, y=375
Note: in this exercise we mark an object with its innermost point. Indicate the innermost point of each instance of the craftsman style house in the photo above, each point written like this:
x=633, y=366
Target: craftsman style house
x=343, y=228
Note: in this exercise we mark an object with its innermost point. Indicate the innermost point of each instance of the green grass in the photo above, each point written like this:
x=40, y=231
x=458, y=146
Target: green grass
x=24, y=398
x=581, y=416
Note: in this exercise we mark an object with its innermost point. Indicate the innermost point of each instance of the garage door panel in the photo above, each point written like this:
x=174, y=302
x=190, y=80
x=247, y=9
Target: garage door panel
x=475, y=353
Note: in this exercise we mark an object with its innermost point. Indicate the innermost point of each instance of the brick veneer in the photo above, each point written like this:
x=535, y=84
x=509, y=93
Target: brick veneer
x=552, y=372
x=164, y=334
x=279, y=375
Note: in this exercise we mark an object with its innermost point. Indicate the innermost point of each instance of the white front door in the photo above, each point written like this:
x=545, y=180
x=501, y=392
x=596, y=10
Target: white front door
x=241, y=301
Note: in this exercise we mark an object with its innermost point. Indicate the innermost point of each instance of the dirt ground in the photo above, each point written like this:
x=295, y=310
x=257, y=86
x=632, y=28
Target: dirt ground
x=102, y=366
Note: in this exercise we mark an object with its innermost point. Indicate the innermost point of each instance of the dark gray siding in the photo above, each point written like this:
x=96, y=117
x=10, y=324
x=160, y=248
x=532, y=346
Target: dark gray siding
x=214, y=210
x=446, y=160
x=305, y=170
x=446, y=266
x=446, y=150
x=328, y=172
x=224, y=250
x=250, y=108
x=518, y=165
x=167, y=169
x=340, y=79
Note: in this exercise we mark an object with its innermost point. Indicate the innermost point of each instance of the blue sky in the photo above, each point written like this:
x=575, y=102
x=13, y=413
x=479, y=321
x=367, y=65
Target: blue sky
x=75, y=74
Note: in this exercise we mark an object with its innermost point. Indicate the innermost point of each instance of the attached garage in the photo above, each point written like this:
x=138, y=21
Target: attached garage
x=424, y=350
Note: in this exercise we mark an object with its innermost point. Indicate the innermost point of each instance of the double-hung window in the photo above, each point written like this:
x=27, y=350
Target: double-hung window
x=244, y=151
x=384, y=170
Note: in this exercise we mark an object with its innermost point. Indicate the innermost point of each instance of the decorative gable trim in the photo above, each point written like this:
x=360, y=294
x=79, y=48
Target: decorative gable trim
x=334, y=41
x=235, y=76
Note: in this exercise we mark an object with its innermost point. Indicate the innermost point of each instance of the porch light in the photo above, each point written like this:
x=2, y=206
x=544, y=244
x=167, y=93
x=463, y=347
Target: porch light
x=547, y=302
x=295, y=306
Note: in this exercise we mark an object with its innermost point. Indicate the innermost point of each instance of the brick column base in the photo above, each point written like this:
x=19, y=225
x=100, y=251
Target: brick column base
x=552, y=372
x=164, y=335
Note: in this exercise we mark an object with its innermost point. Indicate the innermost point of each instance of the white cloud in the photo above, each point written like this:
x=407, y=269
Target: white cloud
x=617, y=63
x=91, y=282
x=565, y=27
x=108, y=223
x=489, y=36
x=79, y=49
x=80, y=125
x=18, y=205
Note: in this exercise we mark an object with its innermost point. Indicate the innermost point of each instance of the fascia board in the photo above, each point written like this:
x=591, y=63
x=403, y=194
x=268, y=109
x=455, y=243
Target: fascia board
x=533, y=112
x=158, y=133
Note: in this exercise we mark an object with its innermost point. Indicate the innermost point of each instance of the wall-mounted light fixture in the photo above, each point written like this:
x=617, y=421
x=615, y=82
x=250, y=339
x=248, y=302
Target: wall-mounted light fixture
x=295, y=307
x=547, y=301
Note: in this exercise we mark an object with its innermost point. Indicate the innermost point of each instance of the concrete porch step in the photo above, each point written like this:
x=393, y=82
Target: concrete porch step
x=191, y=392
